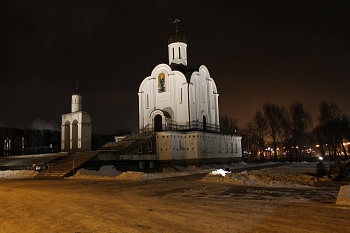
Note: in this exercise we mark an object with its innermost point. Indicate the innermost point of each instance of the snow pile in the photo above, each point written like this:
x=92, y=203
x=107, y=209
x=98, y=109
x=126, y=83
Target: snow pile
x=130, y=175
x=219, y=172
x=17, y=174
x=283, y=176
x=344, y=195
x=109, y=172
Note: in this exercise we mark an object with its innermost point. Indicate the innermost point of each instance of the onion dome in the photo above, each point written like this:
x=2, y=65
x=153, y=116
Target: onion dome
x=76, y=92
x=177, y=38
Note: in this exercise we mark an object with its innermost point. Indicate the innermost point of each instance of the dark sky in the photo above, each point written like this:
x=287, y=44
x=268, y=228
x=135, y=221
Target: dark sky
x=256, y=52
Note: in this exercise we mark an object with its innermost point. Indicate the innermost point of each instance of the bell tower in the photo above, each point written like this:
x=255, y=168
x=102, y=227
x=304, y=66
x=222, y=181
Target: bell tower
x=177, y=47
x=77, y=99
x=76, y=126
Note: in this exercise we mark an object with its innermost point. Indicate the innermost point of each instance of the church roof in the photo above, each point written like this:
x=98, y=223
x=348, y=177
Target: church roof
x=76, y=92
x=187, y=71
x=177, y=38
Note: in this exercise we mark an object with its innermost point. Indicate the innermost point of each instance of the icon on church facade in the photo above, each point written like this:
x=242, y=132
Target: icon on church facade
x=161, y=82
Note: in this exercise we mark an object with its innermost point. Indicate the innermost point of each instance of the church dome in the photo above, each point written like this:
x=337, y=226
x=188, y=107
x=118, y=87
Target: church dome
x=177, y=38
x=76, y=92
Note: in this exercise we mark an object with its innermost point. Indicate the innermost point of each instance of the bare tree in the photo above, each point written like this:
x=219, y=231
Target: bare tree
x=300, y=125
x=250, y=141
x=275, y=117
x=260, y=126
x=333, y=126
x=228, y=125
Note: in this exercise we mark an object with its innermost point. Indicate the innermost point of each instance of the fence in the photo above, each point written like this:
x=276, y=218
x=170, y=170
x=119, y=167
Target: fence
x=173, y=126
x=30, y=150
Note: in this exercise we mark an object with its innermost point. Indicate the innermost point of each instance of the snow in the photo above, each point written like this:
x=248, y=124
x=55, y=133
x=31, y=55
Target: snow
x=18, y=174
x=344, y=195
x=219, y=172
x=293, y=175
x=286, y=175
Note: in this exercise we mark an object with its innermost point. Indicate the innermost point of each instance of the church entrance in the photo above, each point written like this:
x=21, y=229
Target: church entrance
x=204, y=123
x=158, y=123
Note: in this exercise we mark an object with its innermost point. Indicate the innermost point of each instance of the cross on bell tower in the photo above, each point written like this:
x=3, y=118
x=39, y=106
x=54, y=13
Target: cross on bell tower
x=176, y=21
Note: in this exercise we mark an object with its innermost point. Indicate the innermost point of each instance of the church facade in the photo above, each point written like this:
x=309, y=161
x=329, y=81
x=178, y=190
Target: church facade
x=76, y=127
x=181, y=104
x=178, y=97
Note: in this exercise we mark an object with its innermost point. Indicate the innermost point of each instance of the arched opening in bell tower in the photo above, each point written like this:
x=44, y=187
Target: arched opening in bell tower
x=75, y=135
x=66, y=136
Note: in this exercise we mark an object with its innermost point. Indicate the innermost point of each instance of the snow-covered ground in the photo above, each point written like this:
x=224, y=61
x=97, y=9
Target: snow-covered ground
x=18, y=174
x=184, y=204
x=286, y=175
x=291, y=175
x=109, y=172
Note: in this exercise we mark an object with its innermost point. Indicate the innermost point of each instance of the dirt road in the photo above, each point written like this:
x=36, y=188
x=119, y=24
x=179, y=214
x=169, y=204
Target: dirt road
x=181, y=204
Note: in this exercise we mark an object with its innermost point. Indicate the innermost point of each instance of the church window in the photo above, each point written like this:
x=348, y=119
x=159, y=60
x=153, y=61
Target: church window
x=173, y=53
x=150, y=146
x=140, y=149
x=179, y=52
x=180, y=144
x=180, y=95
x=203, y=94
x=236, y=148
x=147, y=101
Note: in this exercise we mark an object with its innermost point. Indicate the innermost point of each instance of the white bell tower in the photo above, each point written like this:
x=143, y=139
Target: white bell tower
x=76, y=126
x=77, y=99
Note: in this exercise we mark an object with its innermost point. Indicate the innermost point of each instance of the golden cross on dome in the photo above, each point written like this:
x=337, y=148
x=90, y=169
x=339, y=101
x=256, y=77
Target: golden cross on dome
x=176, y=21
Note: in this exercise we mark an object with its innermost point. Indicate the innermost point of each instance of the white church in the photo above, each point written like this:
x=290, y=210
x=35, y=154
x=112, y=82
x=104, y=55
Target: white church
x=180, y=103
x=176, y=96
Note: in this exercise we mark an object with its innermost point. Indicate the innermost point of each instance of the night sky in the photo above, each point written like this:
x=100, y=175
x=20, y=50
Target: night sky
x=256, y=52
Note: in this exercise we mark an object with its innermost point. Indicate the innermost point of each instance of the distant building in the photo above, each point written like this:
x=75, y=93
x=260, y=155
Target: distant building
x=76, y=127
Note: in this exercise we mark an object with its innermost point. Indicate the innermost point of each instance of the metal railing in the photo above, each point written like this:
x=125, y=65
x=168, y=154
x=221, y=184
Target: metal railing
x=174, y=126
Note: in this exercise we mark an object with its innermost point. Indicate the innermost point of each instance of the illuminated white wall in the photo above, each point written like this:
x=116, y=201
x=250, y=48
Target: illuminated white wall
x=194, y=145
x=167, y=93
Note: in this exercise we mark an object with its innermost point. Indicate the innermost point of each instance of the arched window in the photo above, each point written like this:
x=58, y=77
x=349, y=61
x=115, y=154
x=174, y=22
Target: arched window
x=140, y=149
x=147, y=101
x=150, y=146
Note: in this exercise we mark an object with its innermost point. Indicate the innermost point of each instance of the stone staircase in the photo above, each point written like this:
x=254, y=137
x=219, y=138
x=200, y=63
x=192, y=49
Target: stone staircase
x=129, y=144
x=67, y=166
